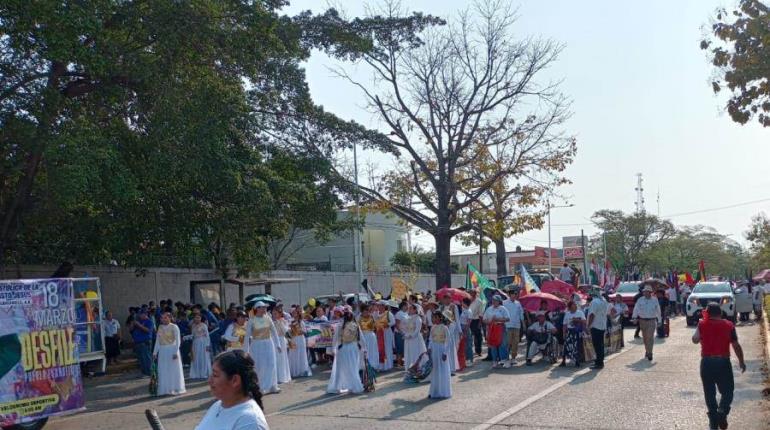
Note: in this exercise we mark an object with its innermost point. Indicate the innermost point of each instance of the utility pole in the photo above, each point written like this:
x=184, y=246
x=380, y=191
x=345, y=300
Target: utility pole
x=639, y=194
x=481, y=248
x=357, y=245
x=585, y=257
x=549, y=238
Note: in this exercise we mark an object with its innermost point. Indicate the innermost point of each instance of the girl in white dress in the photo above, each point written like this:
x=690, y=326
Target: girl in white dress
x=368, y=337
x=439, y=348
x=384, y=322
x=200, y=367
x=414, y=344
x=281, y=346
x=235, y=334
x=348, y=345
x=262, y=344
x=298, y=349
x=166, y=352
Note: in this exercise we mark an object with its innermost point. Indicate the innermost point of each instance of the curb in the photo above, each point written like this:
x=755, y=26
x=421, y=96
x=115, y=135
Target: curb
x=766, y=325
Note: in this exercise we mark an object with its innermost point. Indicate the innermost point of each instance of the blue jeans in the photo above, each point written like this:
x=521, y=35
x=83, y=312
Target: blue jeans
x=498, y=353
x=142, y=350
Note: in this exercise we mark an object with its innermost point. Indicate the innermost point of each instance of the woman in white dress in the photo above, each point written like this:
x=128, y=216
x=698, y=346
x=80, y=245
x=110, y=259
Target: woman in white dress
x=439, y=347
x=368, y=337
x=281, y=346
x=414, y=344
x=298, y=349
x=235, y=334
x=384, y=322
x=200, y=367
x=166, y=352
x=348, y=345
x=261, y=342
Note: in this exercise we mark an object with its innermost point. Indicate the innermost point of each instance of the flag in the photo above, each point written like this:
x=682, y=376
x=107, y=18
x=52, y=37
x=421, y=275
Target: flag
x=594, y=272
x=475, y=280
x=528, y=284
x=701, y=272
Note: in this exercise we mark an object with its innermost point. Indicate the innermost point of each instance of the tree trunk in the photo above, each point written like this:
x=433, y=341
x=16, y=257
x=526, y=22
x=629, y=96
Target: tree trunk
x=501, y=258
x=443, y=268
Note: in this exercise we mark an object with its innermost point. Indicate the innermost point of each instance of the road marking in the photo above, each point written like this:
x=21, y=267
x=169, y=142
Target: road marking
x=532, y=399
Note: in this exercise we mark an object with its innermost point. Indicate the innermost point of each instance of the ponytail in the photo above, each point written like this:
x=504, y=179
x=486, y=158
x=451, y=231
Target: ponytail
x=237, y=362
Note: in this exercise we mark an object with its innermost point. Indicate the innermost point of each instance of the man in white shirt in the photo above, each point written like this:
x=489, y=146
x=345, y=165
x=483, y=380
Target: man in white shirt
x=538, y=337
x=512, y=328
x=496, y=314
x=477, y=310
x=597, y=322
x=647, y=315
x=672, y=300
x=565, y=274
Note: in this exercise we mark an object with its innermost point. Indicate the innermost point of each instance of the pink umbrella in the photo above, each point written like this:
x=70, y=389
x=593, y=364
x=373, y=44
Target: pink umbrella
x=558, y=288
x=456, y=295
x=531, y=302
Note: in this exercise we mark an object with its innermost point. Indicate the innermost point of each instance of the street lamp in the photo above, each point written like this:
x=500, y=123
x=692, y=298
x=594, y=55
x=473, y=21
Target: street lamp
x=549, y=230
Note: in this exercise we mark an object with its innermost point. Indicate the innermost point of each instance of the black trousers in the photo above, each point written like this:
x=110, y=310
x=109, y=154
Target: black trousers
x=716, y=373
x=476, y=332
x=597, y=338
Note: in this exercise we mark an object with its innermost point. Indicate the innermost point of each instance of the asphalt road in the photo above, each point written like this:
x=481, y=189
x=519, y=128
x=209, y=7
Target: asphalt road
x=630, y=393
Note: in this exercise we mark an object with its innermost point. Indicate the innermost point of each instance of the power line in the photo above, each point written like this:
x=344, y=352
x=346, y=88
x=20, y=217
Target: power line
x=719, y=208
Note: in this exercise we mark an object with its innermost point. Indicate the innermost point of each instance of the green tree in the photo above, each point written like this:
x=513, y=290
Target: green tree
x=759, y=236
x=629, y=237
x=689, y=245
x=135, y=128
x=741, y=55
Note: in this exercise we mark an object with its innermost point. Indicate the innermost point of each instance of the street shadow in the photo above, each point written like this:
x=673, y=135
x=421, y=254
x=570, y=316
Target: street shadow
x=402, y=408
x=586, y=377
x=200, y=407
x=641, y=365
x=170, y=400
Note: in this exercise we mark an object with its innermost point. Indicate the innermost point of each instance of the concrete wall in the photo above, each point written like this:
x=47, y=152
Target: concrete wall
x=125, y=287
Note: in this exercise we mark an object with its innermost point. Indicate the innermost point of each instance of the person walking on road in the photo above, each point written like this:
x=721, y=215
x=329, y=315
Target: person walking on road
x=647, y=316
x=565, y=274
x=597, y=322
x=512, y=328
x=715, y=336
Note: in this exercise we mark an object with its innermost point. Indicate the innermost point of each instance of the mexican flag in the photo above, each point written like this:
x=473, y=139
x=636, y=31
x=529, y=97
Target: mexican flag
x=475, y=280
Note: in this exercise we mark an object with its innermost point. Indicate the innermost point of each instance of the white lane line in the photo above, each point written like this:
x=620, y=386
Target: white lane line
x=532, y=399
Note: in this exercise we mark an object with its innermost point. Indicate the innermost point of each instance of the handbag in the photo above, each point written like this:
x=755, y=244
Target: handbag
x=495, y=335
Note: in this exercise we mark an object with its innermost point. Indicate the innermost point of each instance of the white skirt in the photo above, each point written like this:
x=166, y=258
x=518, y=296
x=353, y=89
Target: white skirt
x=263, y=353
x=282, y=361
x=452, y=341
x=369, y=339
x=441, y=376
x=200, y=368
x=298, y=358
x=345, y=375
x=170, y=374
x=412, y=350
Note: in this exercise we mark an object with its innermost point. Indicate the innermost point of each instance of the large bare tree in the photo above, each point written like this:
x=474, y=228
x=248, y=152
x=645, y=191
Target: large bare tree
x=458, y=86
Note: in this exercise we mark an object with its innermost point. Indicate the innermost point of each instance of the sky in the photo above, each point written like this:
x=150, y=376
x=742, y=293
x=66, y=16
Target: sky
x=641, y=103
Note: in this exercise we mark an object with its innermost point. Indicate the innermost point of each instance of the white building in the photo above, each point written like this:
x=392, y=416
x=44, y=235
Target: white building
x=382, y=236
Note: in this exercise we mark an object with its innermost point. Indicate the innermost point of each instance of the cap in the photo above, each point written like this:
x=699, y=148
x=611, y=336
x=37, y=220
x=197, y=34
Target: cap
x=260, y=304
x=497, y=298
x=647, y=288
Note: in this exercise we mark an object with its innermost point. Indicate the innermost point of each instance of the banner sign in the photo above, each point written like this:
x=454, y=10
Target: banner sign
x=39, y=368
x=321, y=334
x=573, y=253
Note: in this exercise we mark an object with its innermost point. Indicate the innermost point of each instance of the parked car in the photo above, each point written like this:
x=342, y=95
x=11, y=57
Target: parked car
x=708, y=292
x=627, y=291
x=324, y=300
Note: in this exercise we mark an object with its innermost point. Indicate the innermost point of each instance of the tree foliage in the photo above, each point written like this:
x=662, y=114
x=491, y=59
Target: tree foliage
x=129, y=129
x=629, y=237
x=442, y=96
x=418, y=261
x=689, y=245
x=759, y=237
x=740, y=53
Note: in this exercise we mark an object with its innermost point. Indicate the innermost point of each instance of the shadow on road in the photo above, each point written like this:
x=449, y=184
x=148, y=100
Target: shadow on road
x=641, y=365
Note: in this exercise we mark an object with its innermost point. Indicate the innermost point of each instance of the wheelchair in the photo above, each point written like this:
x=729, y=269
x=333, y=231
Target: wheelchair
x=547, y=345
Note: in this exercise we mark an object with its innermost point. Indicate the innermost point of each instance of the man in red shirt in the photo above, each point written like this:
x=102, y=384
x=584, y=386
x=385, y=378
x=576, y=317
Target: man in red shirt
x=715, y=336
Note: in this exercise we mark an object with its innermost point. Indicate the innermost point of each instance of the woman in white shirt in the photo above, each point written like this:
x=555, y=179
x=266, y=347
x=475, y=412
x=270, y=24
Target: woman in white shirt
x=239, y=402
x=574, y=321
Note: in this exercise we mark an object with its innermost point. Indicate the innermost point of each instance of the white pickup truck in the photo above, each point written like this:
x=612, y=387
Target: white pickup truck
x=708, y=292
